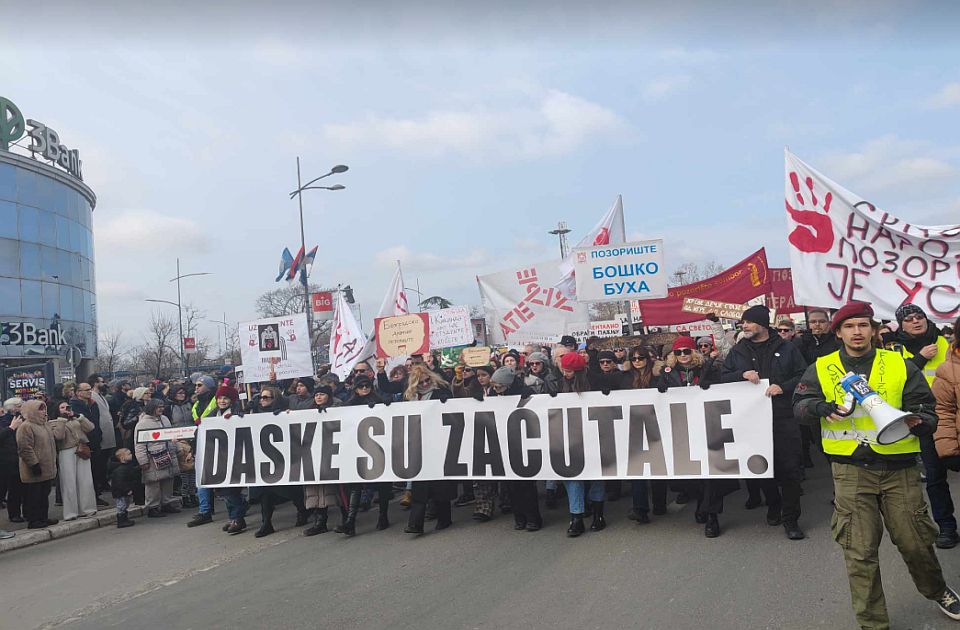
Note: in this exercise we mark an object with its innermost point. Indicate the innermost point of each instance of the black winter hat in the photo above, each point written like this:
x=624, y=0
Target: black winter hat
x=758, y=314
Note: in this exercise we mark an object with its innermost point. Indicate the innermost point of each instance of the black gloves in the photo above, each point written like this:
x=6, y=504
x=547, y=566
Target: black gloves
x=276, y=411
x=662, y=387
x=705, y=384
x=605, y=392
x=442, y=396
x=479, y=396
x=825, y=409
x=321, y=410
x=712, y=317
x=239, y=413
x=371, y=405
x=37, y=469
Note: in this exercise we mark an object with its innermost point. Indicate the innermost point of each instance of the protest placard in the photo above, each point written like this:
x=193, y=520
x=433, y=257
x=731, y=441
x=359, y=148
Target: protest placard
x=162, y=435
x=685, y=433
x=606, y=328
x=626, y=271
x=450, y=327
x=402, y=335
x=844, y=248
x=277, y=347
x=476, y=356
x=724, y=310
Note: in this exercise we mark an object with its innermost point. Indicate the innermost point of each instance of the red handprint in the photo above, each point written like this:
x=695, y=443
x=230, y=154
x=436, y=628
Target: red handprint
x=820, y=239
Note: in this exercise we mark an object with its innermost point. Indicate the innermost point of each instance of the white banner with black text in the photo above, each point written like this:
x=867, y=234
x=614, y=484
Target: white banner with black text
x=686, y=433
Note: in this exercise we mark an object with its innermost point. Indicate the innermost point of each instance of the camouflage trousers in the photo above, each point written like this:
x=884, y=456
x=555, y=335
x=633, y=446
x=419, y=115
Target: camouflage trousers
x=866, y=500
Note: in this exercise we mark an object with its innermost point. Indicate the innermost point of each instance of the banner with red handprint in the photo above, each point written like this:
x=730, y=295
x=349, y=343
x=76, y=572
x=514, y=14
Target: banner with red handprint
x=740, y=283
x=843, y=248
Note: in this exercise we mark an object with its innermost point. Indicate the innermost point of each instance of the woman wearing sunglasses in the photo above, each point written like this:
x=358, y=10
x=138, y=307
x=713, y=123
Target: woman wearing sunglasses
x=644, y=373
x=687, y=367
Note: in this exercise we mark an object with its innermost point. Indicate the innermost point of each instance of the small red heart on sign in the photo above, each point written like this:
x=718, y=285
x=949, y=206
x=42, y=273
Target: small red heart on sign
x=156, y=434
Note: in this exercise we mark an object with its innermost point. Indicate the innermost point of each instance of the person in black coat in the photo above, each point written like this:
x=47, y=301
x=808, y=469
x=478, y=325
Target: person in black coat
x=608, y=377
x=523, y=494
x=687, y=367
x=11, y=488
x=124, y=473
x=763, y=354
x=351, y=493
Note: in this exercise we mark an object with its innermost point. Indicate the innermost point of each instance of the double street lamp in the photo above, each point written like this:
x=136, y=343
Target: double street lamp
x=183, y=357
x=298, y=193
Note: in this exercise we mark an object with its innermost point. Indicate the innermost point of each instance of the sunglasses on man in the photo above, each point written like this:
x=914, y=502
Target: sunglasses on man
x=784, y=330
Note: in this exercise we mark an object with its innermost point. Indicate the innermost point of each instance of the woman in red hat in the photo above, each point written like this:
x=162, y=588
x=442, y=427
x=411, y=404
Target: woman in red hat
x=573, y=369
x=687, y=367
x=228, y=404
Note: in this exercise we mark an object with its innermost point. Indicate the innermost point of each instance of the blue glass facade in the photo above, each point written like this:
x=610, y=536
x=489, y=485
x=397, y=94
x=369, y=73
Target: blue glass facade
x=46, y=256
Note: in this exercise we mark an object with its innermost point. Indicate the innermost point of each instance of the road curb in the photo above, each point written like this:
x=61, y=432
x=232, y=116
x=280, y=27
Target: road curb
x=103, y=518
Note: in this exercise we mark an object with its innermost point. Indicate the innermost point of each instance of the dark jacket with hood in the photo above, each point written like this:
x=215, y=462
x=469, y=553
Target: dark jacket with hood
x=812, y=346
x=124, y=478
x=915, y=343
x=777, y=360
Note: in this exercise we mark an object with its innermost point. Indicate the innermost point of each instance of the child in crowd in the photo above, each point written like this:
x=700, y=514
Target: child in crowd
x=124, y=477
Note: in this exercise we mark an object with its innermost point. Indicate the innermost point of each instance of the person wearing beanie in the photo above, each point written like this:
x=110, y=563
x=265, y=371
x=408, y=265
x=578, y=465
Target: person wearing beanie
x=920, y=341
x=131, y=411
x=511, y=360
x=158, y=461
x=206, y=403
x=302, y=398
x=319, y=498
x=569, y=342
x=226, y=405
x=539, y=377
x=818, y=341
x=875, y=485
x=763, y=354
x=686, y=366
x=706, y=347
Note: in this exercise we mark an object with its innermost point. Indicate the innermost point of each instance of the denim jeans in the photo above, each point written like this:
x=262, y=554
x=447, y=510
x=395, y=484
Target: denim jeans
x=205, y=496
x=576, y=491
x=236, y=504
x=938, y=491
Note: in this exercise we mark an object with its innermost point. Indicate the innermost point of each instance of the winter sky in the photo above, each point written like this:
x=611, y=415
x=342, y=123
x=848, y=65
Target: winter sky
x=469, y=132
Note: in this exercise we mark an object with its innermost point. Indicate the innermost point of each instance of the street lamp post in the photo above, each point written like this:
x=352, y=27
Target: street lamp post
x=223, y=348
x=178, y=304
x=298, y=193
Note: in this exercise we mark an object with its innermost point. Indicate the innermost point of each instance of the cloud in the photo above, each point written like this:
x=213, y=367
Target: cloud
x=665, y=86
x=556, y=124
x=424, y=261
x=137, y=231
x=689, y=56
x=948, y=96
x=887, y=163
x=119, y=291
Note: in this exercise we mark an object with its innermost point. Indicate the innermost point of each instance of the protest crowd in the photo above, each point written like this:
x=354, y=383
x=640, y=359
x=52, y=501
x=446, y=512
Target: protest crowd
x=81, y=442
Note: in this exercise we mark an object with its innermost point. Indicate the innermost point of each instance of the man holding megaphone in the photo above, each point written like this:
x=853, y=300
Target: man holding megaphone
x=873, y=406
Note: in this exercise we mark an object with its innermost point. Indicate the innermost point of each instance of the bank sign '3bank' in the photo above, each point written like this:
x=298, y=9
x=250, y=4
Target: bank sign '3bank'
x=44, y=141
x=614, y=273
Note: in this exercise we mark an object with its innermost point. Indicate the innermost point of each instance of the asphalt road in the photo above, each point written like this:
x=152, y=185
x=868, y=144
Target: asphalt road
x=478, y=576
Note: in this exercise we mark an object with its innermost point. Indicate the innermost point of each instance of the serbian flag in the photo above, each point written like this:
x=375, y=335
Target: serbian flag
x=609, y=230
x=737, y=285
x=295, y=266
x=286, y=260
x=308, y=263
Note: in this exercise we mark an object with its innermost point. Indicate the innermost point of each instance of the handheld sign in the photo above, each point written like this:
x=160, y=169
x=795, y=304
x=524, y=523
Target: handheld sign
x=476, y=357
x=162, y=435
x=403, y=335
x=614, y=273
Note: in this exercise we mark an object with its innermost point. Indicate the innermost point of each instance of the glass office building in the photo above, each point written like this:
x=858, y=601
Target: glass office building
x=47, y=287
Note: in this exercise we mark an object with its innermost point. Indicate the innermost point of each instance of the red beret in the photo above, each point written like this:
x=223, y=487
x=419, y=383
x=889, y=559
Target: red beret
x=229, y=392
x=851, y=309
x=682, y=342
x=573, y=361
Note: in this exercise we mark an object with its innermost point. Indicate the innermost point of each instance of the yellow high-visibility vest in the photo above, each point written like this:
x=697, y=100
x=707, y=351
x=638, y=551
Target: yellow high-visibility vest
x=930, y=369
x=888, y=376
x=200, y=415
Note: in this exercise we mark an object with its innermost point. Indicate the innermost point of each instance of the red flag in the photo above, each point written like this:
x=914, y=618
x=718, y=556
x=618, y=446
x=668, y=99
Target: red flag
x=780, y=298
x=744, y=281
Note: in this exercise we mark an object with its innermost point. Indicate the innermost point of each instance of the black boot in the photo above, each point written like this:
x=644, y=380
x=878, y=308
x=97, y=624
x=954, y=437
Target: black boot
x=265, y=530
x=123, y=520
x=793, y=530
x=576, y=525
x=418, y=510
x=773, y=515
x=551, y=499
x=350, y=524
x=319, y=523
x=339, y=529
x=712, y=528
x=598, y=522
x=383, y=520
x=444, y=514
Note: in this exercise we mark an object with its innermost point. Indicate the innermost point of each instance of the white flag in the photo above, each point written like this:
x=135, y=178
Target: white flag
x=346, y=339
x=843, y=248
x=610, y=230
x=394, y=303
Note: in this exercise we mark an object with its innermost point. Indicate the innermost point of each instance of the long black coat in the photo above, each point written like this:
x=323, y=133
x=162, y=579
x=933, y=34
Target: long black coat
x=786, y=369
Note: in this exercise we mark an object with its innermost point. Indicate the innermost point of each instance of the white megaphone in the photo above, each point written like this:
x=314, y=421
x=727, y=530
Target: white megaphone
x=890, y=422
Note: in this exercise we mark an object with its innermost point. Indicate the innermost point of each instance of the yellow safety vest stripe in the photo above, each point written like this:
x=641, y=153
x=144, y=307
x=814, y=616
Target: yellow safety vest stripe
x=888, y=376
x=930, y=369
x=211, y=408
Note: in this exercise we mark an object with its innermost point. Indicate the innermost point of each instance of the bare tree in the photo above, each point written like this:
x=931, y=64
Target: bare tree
x=605, y=310
x=283, y=301
x=692, y=272
x=435, y=302
x=158, y=353
x=110, y=351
